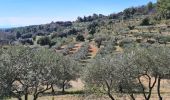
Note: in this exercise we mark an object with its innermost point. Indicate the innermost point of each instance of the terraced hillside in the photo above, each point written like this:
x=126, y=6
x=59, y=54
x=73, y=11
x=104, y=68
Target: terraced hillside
x=122, y=56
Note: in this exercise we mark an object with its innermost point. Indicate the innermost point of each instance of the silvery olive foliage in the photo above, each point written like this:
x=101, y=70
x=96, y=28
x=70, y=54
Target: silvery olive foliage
x=122, y=73
x=32, y=71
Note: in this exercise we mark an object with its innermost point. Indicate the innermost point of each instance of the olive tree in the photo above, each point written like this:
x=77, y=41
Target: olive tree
x=152, y=65
x=41, y=79
x=162, y=68
x=40, y=76
x=144, y=68
x=15, y=61
x=124, y=73
x=112, y=75
x=68, y=70
x=33, y=71
x=100, y=75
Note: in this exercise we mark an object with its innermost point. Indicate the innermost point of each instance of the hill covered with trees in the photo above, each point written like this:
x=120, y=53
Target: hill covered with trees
x=123, y=55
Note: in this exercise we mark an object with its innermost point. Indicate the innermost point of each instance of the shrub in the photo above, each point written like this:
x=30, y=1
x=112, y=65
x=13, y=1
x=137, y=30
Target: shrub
x=138, y=40
x=163, y=39
x=89, y=37
x=54, y=35
x=131, y=27
x=65, y=51
x=52, y=43
x=147, y=35
x=92, y=28
x=145, y=45
x=72, y=31
x=80, y=38
x=99, y=41
x=26, y=41
x=44, y=41
x=127, y=42
x=34, y=37
x=58, y=46
x=18, y=35
x=145, y=22
x=40, y=33
x=28, y=35
x=151, y=41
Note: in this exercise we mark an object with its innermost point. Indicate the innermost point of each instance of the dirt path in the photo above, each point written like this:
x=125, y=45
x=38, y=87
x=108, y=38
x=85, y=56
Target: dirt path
x=93, y=50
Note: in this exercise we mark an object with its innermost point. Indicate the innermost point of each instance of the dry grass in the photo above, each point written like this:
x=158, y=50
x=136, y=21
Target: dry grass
x=61, y=97
x=77, y=85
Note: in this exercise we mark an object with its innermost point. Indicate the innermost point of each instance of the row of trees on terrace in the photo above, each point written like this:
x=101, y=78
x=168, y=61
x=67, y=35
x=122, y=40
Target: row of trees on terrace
x=33, y=71
x=29, y=71
x=123, y=73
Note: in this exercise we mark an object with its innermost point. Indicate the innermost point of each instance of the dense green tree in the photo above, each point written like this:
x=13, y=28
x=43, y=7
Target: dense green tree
x=44, y=41
x=28, y=35
x=80, y=38
x=92, y=28
x=164, y=8
x=18, y=35
x=145, y=22
x=129, y=12
x=79, y=19
x=150, y=6
x=26, y=41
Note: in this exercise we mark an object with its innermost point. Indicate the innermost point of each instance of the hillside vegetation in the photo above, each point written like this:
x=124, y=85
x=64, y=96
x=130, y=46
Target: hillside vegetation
x=121, y=56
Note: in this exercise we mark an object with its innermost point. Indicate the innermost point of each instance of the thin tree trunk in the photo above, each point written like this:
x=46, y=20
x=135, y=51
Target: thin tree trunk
x=26, y=93
x=108, y=91
x=26, y=96
x=158, y=88
x=52, y=87
x=63, y=87
x=99, y=44
x=132, y=97
x=151, y=86
x=149, y=95
x=36, y=93
x=110, y=96
x=143, y=89
x=19, y=98
x=35, y=97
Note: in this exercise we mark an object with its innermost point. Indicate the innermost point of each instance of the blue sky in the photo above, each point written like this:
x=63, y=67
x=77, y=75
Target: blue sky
x=30, y=12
